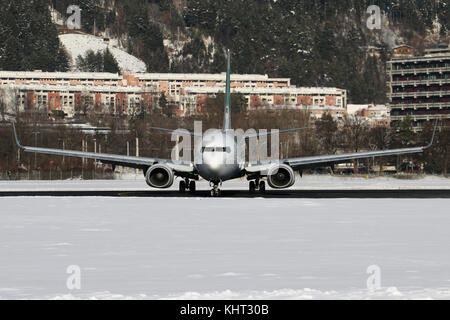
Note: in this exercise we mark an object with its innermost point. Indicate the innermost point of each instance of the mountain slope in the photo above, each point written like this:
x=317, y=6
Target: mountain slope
x=79, y=44
x=313, y=42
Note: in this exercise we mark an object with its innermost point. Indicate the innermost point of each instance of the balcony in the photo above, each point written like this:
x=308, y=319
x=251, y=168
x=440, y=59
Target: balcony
x=404, y=106
x=416, y=71
x=404, y=83
x=418, y=94
x=426, y=117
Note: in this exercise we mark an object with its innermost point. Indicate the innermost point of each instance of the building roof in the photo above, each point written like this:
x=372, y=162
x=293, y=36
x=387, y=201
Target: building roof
x=141, y=76
x=79, y=88
x=266, y=90
x=59, y=75
x=207, y=77
x=402, y=45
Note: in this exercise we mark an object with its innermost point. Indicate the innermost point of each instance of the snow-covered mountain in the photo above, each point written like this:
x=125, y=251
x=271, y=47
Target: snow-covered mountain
x=79, y=44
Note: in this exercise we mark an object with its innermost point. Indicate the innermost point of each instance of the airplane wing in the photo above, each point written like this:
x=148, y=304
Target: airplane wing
x=304, y=162
x=113, y=159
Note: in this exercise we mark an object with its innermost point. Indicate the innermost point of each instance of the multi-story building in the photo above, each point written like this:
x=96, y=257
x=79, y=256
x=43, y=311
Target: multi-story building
x=419, y=87
x=194, y=98
x=375, y=115
x=71, y=100
x=62, y=92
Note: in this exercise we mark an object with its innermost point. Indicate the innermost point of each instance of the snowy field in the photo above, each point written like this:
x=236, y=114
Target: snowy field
x=79, y=44
x=224, y=248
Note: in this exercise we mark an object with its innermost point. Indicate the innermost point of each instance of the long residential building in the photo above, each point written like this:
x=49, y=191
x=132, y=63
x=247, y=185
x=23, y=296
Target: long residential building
x=67, y=92
x=78, y=99
x=194, y=98
x=419, y=87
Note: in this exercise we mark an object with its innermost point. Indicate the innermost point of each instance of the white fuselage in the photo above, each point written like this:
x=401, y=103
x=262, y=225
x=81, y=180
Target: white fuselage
x=221, y=159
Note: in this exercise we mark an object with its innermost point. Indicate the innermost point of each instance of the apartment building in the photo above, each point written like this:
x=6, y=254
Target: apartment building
x=63, y=92
x=78, y=99
x=194, y=98
x=419, y=86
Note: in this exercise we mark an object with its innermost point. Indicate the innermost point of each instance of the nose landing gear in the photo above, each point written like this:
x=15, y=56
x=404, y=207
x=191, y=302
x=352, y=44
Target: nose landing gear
x=215, y=191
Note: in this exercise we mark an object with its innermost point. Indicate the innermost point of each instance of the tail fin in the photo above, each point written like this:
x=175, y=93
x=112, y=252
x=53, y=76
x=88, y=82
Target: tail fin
x=227, y=113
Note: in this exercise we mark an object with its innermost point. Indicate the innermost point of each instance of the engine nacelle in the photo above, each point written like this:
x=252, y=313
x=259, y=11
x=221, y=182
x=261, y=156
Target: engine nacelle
x=159, y=176
x=280, y=177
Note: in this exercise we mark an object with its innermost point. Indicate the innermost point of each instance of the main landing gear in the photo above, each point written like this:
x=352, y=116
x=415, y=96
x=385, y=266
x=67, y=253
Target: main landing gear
x=257, y=185
x=187, y=184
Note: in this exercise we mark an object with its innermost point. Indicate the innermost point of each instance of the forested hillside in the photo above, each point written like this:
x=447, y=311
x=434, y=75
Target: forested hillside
x=314, y=42
x=28, y=39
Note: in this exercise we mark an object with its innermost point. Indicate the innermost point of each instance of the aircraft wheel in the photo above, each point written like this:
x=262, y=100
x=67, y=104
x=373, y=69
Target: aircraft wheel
x=215, y=192
x=192, y=187
x=252, y=186
x=262, y=187
x=182, y=186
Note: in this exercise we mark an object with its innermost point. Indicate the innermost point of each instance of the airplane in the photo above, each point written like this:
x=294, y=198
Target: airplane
x=280, y=174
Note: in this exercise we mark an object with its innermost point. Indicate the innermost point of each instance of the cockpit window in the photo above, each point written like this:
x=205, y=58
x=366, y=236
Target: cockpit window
x=216, y=149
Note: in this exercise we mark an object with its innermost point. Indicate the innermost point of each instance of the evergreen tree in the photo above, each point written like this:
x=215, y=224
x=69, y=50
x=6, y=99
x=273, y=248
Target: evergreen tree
x=404, y=133
x=31, y=38
x=97, y=62
x=110, y=63
x=162, y=103
x=62, y=61
x=10, y=58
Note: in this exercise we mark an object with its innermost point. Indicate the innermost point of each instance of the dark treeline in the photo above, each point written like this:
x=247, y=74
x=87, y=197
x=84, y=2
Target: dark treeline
x=28, y=38
x=98, y=62
x=323, y=136
x=314, y=42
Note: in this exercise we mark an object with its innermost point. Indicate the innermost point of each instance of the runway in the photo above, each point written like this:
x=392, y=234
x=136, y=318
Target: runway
x=314, y=240
x=293, y=194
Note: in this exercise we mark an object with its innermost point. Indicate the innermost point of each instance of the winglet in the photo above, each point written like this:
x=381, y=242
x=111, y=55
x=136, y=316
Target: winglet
x=432, y=138
x=15, y=135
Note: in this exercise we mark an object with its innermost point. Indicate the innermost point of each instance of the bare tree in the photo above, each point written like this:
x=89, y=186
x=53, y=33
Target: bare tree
x=380, y=138
x=443, y=146
x=355, y=135
x=326, y=130
x=2, y=105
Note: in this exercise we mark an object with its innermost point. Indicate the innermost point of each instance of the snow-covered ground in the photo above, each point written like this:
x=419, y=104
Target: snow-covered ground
x=79, y=44
x=129, y=182
x=223, y=248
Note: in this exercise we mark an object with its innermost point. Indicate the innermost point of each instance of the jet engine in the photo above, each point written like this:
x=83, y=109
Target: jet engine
x=280, y=177
x=159, y=176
